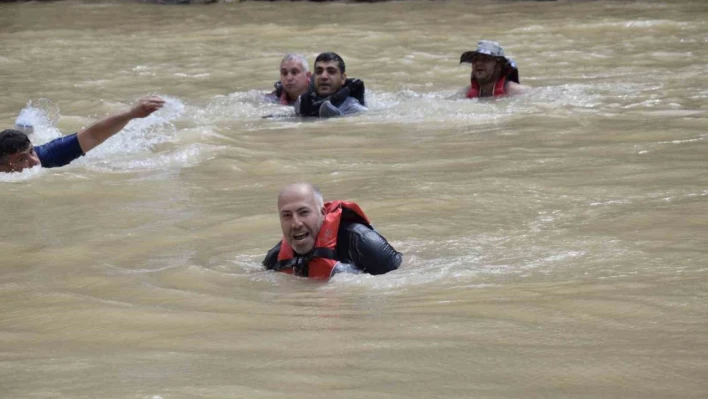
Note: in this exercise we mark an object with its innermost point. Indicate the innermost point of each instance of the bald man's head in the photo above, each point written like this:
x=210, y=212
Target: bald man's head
x=304, y=189
x=301, y=210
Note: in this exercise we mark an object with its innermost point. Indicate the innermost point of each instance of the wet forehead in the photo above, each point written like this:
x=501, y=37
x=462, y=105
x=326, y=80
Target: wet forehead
x=295, y=198
x=327, y=65
x=20, y=153
x=291, y=64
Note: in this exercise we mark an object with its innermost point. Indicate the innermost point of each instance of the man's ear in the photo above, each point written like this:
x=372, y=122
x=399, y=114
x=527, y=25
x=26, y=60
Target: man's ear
x=308, y=74
x=323, y=210
x=344, y=76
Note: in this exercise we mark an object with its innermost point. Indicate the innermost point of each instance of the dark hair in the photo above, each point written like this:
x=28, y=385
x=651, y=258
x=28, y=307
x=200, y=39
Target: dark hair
x=330, y=56
x=12, y=142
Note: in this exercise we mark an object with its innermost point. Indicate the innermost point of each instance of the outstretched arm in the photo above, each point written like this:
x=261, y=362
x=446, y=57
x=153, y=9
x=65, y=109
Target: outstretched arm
x=100, y=131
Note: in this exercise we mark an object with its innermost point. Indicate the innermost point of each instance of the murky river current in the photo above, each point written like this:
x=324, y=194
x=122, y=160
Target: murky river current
x=556, y=242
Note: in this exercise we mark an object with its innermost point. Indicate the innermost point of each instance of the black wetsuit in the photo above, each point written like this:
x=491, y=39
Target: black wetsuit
x=310, y=102
x=358, y=245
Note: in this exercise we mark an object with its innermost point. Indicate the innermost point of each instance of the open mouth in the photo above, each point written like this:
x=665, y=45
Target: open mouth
x=300, y=236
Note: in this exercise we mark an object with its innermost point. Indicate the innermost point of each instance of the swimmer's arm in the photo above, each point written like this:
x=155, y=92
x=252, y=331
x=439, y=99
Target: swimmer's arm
x=100, y=131
x=351, y=106
x=513, y=88
x=370, y=251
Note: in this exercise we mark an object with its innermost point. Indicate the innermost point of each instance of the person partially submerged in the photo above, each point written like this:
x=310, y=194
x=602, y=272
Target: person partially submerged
x=321, y=238
x=17, y=152
x=493, y=74
x=332, y=93
x=294, y=80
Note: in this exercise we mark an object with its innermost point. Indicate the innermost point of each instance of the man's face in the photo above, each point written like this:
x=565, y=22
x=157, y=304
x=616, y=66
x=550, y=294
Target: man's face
x=294, y=79
x=328, y=78
x=484, y=68
x=19, y=161
x=300, y=219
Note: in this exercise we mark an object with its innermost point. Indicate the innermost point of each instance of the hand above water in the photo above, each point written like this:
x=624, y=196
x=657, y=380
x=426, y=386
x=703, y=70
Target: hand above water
x=100, y=131
x=146, y=106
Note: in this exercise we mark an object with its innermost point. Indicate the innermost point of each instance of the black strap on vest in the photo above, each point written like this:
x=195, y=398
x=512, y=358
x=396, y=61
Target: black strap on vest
x=357, y=90
x=301, y=264
x=310, y=102
x=324, y=253
x=278, y=89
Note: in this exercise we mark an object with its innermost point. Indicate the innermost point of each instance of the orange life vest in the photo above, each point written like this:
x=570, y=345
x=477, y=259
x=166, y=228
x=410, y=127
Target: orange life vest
x=498, y=88
x=322, y=261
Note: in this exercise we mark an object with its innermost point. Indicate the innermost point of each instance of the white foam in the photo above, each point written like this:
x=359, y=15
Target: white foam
x=141, y=135
x=42, y=114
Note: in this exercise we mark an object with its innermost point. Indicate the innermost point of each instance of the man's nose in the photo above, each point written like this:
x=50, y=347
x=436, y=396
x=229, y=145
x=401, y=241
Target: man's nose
x=296, y=221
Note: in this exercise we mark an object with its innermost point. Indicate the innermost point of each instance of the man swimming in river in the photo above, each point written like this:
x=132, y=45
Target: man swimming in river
x=17, y=152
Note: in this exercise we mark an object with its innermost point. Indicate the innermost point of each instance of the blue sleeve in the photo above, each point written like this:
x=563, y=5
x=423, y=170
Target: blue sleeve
x=59, y=152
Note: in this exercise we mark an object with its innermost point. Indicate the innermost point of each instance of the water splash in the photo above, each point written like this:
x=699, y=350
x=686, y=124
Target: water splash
x=38, y=120
x=19, y=177
x=141, y=135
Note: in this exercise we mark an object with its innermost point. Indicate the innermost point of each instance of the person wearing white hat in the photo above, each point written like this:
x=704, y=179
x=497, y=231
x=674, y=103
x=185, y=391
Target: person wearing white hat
x=493, y=74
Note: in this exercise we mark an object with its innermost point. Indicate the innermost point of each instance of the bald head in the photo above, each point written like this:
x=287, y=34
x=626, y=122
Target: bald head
x=301, y=210
x=296, y=58
x=302, y=190
x=294, y=76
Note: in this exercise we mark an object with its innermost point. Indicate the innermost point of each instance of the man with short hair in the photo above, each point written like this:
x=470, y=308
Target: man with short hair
x=294, y=80
x=17, y=152
x=493, y=74
x=332, y=93
x=321, y=238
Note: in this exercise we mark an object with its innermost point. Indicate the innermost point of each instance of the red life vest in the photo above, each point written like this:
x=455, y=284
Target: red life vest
x=323, y=260
x=498, y=88
x=284, y=99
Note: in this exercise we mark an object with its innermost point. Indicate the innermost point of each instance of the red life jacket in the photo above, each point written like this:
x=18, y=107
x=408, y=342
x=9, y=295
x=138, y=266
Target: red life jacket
x=284, y=99
x=322, y=261
x=498, y=88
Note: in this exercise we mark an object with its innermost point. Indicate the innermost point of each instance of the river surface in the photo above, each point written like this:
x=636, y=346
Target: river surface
x=556, y=242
